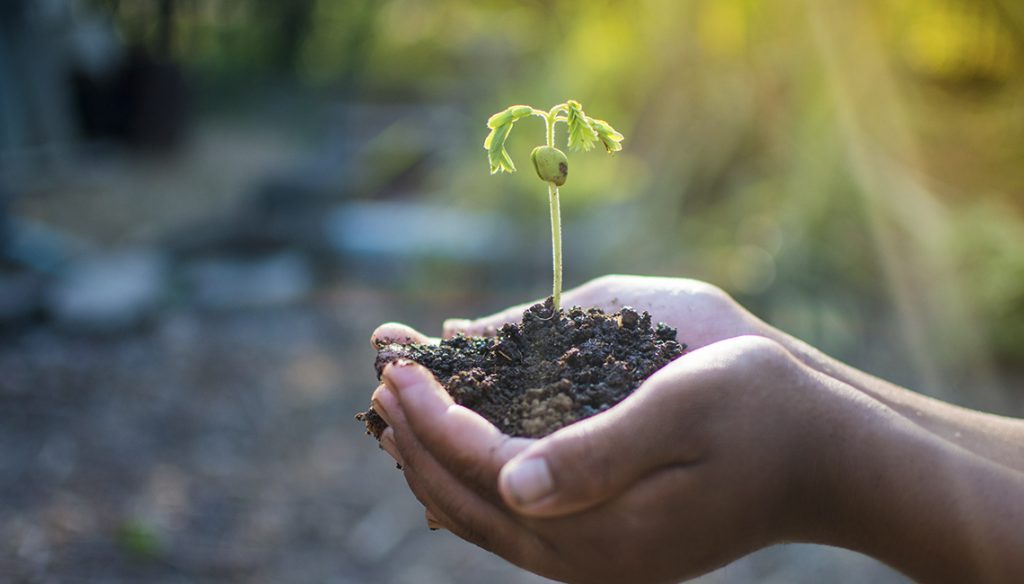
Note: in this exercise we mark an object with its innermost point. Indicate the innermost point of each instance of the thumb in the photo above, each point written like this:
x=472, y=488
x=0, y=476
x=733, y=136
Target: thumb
x=592, y=461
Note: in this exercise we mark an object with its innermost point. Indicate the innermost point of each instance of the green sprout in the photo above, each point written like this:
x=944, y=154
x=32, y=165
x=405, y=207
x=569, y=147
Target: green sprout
x=551, y=164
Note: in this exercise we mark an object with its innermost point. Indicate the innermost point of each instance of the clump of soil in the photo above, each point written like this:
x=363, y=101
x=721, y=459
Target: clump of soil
x=546, y=372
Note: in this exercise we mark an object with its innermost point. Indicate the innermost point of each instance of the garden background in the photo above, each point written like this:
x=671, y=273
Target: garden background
x=206, y=206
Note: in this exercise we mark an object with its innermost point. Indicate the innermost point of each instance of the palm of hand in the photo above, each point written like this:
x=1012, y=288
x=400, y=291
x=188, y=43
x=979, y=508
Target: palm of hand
x=703, y=314
x=671, y=506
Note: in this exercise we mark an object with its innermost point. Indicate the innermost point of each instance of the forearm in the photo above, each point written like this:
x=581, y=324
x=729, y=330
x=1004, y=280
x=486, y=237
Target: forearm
x=996, y=438
x=929, y=508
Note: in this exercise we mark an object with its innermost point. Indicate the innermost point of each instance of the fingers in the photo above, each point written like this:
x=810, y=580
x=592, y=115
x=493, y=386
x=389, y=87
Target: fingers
x=387, y=443
x=462, y=441
x=453, y=505
x=432, y=521
x=576, y=468
x=596, y=459
x=668, y=422
x=450, y=503
x=396, y=332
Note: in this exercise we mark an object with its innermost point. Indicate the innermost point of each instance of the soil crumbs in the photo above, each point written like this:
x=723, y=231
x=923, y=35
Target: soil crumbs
x=535, y=377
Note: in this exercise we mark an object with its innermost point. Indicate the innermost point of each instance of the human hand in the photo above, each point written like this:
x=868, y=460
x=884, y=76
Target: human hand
x=706, y=314
x=858, y=447
x=703, y=313
x=714, y=456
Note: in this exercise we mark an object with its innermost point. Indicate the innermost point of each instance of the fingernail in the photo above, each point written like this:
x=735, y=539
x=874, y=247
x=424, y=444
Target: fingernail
x=387, y=442
x=378, y=404
x=528, y=481
x=402, y=374
x=432, y=521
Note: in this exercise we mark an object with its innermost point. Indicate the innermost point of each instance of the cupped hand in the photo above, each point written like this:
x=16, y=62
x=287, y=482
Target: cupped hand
x=708, y=460
x=702, y=313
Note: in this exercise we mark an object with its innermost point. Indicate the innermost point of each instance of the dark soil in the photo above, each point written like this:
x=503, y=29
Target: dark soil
x=544, y=373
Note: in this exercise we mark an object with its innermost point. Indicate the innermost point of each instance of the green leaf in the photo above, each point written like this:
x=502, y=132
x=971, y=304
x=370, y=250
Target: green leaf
x=608, y=135
x=497, y=156
x=500, y=125
x=505, y=162
x=490, y=139
x=581, y=135
x=508, y=115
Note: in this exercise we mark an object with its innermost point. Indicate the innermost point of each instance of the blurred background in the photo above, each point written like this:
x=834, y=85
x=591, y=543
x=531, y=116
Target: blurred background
x=206, y=206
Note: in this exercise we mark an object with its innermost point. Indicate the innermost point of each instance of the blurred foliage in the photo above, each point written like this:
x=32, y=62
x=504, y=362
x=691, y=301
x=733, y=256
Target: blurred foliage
x=824, y=161
x=990, y=241
x=139, y=539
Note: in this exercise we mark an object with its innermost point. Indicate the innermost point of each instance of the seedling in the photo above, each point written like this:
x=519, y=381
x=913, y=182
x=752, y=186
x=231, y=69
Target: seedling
x=551, y=164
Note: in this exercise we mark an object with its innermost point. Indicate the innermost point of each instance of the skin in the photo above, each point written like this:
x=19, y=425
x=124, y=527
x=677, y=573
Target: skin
x=752, y=438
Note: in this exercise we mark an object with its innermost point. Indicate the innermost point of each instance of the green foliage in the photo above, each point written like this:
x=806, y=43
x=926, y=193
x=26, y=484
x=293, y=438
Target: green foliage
x=501, y=125
x=581, y=134
x=509, y=116
x=496, y=154
x=551, y=164
x=611, y=139
x=138, y=539
x=989, y=249
x=584, y=133
x=736, y=116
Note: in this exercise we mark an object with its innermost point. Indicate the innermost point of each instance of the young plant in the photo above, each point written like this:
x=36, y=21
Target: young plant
x=551, y=164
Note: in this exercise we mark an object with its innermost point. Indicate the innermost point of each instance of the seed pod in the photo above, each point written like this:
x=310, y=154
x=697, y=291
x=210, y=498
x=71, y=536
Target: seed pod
x=551, y=164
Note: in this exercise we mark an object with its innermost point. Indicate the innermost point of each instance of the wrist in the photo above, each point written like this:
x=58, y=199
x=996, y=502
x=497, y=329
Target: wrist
x=896, y=492
x=833, y=421
x=802, y=418
x=997, y=438
x=853, y=464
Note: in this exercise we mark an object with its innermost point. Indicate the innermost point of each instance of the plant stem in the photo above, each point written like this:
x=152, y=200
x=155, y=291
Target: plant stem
x=556, y=224
x=556, y=246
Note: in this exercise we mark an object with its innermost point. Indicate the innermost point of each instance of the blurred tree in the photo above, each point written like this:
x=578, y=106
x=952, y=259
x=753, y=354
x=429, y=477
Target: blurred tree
x=815, y=158
x=294, y=23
